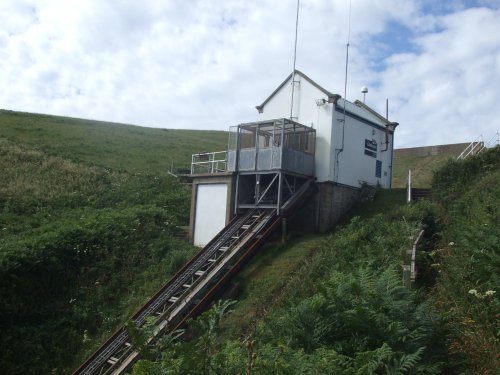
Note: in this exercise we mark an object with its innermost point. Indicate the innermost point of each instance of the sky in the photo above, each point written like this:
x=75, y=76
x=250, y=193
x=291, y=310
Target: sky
x=206, y=64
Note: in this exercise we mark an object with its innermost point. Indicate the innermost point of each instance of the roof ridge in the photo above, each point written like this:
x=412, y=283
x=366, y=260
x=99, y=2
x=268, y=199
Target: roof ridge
x=332, y=98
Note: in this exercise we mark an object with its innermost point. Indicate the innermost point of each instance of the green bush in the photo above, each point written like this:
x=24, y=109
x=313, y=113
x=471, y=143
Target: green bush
x=468, y=261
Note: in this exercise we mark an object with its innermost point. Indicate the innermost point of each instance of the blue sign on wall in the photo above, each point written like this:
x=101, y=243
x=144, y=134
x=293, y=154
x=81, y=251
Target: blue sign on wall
x=371, y=148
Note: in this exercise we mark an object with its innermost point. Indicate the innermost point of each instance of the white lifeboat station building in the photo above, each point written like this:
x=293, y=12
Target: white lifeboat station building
x=317, y=145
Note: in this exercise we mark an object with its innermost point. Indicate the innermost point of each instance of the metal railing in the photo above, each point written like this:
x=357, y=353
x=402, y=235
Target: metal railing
x=473, y=148
x=493, y=141
x=478, y=145
x=209, y=162
x=410, y=262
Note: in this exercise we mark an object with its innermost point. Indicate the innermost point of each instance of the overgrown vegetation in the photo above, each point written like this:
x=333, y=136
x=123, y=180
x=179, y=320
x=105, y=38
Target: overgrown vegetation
x=346, y=313
x=468, y=260
x=81, y=248
x=89, y=228
x=345, y=310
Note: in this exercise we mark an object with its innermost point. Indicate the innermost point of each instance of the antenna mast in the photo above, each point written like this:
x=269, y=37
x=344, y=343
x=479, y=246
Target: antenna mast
x=294, y=59
x=341, y=149
x=347, y=56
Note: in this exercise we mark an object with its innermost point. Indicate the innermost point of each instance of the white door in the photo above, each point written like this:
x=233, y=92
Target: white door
x=210, y=218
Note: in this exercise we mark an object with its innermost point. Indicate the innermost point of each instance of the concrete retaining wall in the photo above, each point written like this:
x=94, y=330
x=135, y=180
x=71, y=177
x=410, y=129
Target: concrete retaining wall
x=453, y=149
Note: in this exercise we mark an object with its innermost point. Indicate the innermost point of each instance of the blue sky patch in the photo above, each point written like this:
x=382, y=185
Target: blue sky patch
x=441, y=8
x=396, y=38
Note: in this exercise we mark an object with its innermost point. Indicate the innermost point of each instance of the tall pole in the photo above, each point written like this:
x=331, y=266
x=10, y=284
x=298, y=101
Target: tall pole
x=294, y=59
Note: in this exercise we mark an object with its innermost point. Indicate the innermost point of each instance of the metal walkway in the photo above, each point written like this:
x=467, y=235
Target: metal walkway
x=193, y=286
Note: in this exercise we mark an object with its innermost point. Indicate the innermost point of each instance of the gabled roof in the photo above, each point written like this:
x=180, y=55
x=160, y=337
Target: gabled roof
x=375, y=113
x=332, y=98
x=357, y=107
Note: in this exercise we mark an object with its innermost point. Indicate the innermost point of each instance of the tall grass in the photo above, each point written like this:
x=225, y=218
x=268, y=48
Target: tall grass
x=81, y=247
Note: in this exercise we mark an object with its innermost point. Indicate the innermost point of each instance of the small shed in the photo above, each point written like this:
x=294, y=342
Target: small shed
x=343, y=146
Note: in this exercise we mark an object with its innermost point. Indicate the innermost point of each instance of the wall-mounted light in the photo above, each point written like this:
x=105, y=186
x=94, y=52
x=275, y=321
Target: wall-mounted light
x=320, y=102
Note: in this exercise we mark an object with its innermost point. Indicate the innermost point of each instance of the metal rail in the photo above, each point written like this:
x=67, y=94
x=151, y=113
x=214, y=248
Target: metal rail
x=191, y=287
x=174, y=300
x=209, y=162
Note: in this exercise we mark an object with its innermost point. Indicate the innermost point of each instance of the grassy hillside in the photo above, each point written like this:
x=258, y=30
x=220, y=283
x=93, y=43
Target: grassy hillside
x=88, y=229
x=422, y=168
x=331, y=304
x=81, y=247
x=116, y=146
x=335, y=304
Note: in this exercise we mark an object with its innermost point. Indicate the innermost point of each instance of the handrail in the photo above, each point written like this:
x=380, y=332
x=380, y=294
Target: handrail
x=471, y=149
x=413, y=270
x=493, y=141
x=410, y=262
x=478, y=145
x=408, y=191
x=209, y=162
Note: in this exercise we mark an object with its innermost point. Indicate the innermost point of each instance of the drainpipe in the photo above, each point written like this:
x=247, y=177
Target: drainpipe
x=392, y=162
x=386, y=127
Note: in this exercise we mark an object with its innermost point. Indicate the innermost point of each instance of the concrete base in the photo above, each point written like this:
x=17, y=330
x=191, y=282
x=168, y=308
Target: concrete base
x=319, y=214
x=333, y=201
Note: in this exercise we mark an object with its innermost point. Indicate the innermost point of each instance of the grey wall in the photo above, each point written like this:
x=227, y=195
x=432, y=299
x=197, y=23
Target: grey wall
x=455, y=148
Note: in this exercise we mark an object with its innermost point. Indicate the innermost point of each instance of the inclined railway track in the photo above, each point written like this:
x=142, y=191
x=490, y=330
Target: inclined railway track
x=187, y=292
x=172, y=303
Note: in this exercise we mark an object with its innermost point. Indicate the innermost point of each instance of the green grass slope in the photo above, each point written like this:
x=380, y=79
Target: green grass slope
x=468, y=260
x=336, y=304
x=81, y=248
x=330, y=304
x=422, y=169
x=116, y=146
x=88, y=229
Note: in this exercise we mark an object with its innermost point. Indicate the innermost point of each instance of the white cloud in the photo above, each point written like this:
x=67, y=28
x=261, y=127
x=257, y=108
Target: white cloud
x=447, y=92
x=205, y=64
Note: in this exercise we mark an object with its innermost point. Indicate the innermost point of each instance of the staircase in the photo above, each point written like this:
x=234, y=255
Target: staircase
x=194, y=285
x=417, y=194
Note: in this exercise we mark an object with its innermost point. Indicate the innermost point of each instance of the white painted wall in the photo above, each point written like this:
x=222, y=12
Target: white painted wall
x=210, y=216
x=307, y=113
x=354, y=166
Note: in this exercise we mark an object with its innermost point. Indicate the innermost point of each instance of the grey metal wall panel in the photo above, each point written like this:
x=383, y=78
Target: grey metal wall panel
x=265, y=158
x=309, y=164
x=247, y=160
x=276, y=162
x=231, y=161
x=298, y=162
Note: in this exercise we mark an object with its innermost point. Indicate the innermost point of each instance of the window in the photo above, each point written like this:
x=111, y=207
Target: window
x=378, y=169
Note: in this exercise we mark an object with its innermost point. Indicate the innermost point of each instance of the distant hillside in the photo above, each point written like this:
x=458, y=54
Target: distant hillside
x=117, y=146
x=135, y=149
x=423, y=162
